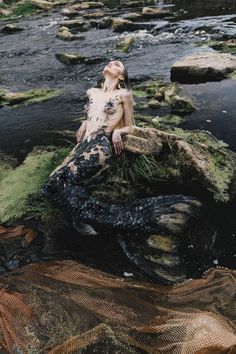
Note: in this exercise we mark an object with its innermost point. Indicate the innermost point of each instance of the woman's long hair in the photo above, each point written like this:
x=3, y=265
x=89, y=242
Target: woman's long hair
x=125, y=83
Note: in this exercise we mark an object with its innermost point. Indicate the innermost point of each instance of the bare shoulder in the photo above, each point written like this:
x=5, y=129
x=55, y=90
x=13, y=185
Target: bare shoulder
x=91, y=90
x=126, y=96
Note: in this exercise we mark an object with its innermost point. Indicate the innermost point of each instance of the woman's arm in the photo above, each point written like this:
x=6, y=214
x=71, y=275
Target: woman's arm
x=82, y=129
x=128, y=120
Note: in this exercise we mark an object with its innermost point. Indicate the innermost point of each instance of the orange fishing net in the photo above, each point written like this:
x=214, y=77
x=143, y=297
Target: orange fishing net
x=66, y=307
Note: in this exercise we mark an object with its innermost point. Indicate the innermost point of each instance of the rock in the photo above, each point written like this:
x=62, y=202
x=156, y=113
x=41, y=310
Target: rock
x=97, y=14
x=77, y=24
x=68, y=11
x=203, y=67
x=105, y=23
x=6, y=12
x=126, y=44
x=41, y=4
x=182, y=105
x=87, y=5
x=150, y=12
x=228, y=46
x=154, y=104
x=10, y=28
x=121, y=25
x=70, y=58
x=65, y=34
x=172, y=120
x=36, y=95
x=142, y=142
x=136, y=3
x=132, y=16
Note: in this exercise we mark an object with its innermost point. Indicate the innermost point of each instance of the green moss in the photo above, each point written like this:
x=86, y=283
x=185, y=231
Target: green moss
x=18, y=98
x=19, y=186
x=19, y=9
x=125, y=45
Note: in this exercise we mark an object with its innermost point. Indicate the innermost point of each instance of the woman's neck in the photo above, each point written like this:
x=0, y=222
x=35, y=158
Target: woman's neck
x=110, y=84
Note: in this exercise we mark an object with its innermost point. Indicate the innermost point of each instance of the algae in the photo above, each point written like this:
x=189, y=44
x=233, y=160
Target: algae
x=126, y=45
x=16, y=99
x=18, y=187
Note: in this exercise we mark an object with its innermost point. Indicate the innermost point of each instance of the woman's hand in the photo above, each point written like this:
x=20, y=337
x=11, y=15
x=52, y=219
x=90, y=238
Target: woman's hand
x=117, y=141
x=80, y=132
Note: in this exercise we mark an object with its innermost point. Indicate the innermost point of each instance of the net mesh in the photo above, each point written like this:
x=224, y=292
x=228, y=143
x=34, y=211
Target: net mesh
x=66, y=307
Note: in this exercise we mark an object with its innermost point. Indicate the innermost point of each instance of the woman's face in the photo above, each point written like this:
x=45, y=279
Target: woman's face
x=114, y=67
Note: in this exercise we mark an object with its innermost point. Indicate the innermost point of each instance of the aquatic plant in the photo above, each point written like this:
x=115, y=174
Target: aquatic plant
x=20, y=186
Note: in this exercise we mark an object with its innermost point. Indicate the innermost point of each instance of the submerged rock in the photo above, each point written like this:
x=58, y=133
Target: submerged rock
x=203, y=67
x=11, y=28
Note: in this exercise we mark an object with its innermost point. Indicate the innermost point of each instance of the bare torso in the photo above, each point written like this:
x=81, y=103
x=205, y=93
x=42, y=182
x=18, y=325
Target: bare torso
x=104, y=110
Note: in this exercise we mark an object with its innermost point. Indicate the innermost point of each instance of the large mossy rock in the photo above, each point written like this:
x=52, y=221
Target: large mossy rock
x=201, y=67
x=176, y=156
x=18, y=185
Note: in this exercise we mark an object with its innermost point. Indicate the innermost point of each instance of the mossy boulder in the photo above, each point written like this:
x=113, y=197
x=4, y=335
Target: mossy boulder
x=17, y=98
x=19, y=9
x=228, y=46
x=181, y=104
x=126, y=44
x=175, y=156
x=20, y=185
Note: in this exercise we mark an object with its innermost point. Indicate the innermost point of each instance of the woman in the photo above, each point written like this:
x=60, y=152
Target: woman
x=110, y=107
x=109, y=116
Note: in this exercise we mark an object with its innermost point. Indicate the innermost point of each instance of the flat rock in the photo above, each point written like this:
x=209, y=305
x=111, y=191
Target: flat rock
x=202, y=67
x=155, y=12
x=10, y=28
x=41, y=4
x=71, y=58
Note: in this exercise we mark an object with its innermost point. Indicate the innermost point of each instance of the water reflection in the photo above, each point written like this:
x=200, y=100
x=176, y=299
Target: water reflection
x=198, y=8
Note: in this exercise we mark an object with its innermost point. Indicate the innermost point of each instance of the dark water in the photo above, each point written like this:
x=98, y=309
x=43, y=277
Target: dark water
x=28, y=61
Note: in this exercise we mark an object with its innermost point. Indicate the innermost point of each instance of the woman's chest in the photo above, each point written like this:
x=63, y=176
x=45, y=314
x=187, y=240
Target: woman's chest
x=105, y=105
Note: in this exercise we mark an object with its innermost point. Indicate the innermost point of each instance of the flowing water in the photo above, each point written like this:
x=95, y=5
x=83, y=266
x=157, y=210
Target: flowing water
x=28, y=61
